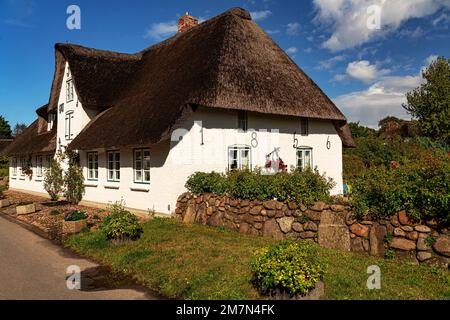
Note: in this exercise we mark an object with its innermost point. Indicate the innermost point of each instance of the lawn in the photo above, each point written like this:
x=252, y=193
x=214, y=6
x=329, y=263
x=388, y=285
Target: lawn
x=198, y=262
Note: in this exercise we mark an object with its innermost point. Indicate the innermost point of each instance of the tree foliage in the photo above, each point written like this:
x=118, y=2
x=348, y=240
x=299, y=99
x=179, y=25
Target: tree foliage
x=430, y=103
x=18, y=129
x=73, y=179
x=5, y=128
x=53, y=180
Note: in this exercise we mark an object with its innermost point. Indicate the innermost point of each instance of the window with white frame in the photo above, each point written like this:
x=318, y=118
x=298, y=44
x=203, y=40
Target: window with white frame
x=304, y=126
x=114, y=166
x=239, y=158
x=142, y=166
x=92, y=165
x=39, y=166
x=304, y=158
x=14, y=166
x=69, y=90
x=51, y=121
x=69, y=125
x=243, y=120
x=48, y=161
x=23, y=165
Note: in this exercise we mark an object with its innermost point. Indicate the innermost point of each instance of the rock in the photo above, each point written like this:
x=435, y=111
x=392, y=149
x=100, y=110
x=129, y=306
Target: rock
x=432, y=223
x=297, y=227
x=303, y=208
x=349, y=219
x=263, y=212
x=307, y=235
x=271, y=213
x=356, y=245
x=244, y=228
x=201, y=216
x=216, y=220
x=258, y=226
x=360, y=230
x=297, y=213
x=244, y=203
x=313, y=215
x=27, y=209
x=442, y=245
x=367, y=222
x=292, y=205
x=209, y=211
x=310, y=226
x=337, y=207
x=4, y=203
x=394, y=221
x=423, y=229
x=404, y=219
x=272, y=229
x=377, y=236
x=286, y=224
x=407, y=228
x=423, y=256
x=279, y=205
x=270, y=205
x=414, y=235
x=333, y=232
x=366, y=245
x=256, y=210
x=398, y=232
x=318, y=206
x=421, y=244
x=352, y=236
x=403, y=244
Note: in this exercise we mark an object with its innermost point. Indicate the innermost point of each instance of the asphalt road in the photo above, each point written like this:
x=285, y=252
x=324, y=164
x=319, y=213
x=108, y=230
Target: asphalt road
x=33, y=268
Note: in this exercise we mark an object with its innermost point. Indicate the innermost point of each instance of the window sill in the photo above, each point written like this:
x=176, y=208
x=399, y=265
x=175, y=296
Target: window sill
x=91, y=184
x=140, y=188
x=38, y=179
x=112, y=186
x=23, y=179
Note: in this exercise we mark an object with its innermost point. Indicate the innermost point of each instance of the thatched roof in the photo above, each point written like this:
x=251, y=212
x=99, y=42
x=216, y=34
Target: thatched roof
x=4, y=143
x=31, y=142
x=227, y=62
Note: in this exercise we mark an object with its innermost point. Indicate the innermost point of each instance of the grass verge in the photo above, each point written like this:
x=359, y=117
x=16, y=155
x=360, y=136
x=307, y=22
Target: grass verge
x=198, y=262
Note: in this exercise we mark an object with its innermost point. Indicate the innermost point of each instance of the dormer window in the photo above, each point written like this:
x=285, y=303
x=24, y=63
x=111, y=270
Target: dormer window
x=243, y=120
x=68, y=74
x=69, y=90
x=51, y=121
x=304, y=126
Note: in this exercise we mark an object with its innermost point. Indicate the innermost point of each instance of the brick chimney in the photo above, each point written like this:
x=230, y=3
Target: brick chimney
x=186, y=22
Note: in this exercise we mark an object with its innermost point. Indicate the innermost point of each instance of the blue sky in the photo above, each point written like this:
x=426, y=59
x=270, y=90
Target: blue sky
x=365, y=71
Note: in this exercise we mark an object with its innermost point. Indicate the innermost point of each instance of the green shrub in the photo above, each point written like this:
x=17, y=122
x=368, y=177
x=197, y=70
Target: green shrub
x=55, y=213
x=53, y=180
x=73, y=179
x=290, y=267
x=302, y=186
x=421, y=187
x=75, y=216
x=121, y=224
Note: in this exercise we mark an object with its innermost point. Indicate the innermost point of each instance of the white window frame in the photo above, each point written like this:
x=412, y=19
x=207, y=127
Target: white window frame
x=51, y=121
x=69, y=90
x=301, y=156
x=39, y=166
x=69, y=125
x=23, y=163
x=243, y=120
x=14, y=166
x=113, y=166
x=92, y=166
x=304, y=126
x=238, y=157
x=141, y=166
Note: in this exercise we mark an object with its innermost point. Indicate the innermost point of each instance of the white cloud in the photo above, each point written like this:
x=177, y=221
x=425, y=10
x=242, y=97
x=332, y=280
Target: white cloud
x=431, y=59
x=162, y=30
x=293, y=28
x=292, y=51
x=364, y=71
x=328, y=64
x=348, y=18
x=271, y=32
x=308, y=50
x=383, y=98
x=442, y=19
x=260, y=15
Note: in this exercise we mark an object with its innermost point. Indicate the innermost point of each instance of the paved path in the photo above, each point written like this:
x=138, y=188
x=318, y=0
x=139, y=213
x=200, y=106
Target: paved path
x=33, y=268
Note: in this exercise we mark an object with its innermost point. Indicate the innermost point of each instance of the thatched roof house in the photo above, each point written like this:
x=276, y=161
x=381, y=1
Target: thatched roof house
x=226, y=62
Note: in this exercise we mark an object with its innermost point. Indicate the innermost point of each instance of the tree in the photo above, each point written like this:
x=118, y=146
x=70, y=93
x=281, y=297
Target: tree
x=359, y=131
x=73, y=179
x=19, y=128
x=5, y=128
x=430, y=103
x=53, y=179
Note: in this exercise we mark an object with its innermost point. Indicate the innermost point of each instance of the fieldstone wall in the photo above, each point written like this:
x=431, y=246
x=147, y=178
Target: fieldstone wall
x=331, y=226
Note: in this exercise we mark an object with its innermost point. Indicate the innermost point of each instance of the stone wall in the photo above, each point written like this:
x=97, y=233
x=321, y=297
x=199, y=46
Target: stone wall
x=331, y=226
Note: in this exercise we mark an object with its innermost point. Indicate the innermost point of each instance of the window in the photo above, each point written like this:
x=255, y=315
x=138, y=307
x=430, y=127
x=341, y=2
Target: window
x=39, y=166
x=142, y=166
x=51, y=121
x=69, y=124
x=92, y=164
x=114, y=166
x=239, y=158
x=304, y=158
x=243, y=120
x=48, y=161
x=69, y=90
x=23, y=165
x=304, y=126
x=14, y=166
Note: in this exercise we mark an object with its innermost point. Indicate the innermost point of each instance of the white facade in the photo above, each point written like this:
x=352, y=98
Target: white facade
x=205, y=144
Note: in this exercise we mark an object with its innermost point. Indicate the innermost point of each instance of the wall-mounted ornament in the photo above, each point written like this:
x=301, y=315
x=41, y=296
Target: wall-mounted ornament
x=328, y=143
x=254, y=141
x=295, y=146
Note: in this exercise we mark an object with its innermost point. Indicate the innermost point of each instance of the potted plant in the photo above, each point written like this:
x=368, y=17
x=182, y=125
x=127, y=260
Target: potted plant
x=74, y=222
